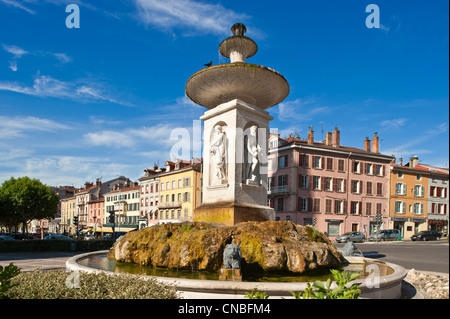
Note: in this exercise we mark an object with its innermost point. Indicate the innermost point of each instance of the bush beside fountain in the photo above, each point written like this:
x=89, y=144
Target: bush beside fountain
x=270, y=246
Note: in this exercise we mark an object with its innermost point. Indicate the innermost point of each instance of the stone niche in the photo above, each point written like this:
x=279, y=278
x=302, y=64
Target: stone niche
x=235, y=164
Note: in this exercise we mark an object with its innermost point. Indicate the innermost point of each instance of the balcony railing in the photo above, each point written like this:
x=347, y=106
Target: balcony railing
x=278, y=190
x=169, y=205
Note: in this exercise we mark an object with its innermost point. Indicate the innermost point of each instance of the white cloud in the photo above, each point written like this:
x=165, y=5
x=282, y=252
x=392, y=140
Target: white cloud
x=17, y=4
x=394, y=123
x=47, y=86
x=301, y=109
x=15, y=50
x=130, y=138
x=192, y=16
x=13, y=65
x=62, y=57
x=11, y=127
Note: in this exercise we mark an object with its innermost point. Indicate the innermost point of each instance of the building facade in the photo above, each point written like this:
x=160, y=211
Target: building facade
x=337, y=189
x=68, y=212
x=179, y=190
x=149, y=213
x=408, y=199
x=125, y=203
x=438, y=198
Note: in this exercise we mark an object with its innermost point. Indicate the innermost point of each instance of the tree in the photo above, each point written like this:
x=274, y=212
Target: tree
x=25, y=199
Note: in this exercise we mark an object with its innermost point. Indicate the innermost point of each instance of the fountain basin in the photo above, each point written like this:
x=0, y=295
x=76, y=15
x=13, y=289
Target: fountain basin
x=251, y=83
x=382, y=287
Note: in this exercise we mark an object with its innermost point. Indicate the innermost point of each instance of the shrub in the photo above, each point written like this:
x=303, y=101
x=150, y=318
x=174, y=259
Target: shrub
x=55, y=285
x=6, y=275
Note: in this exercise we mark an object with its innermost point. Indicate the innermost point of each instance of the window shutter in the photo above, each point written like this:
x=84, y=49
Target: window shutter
x=306, y=163
x=300, y=160
x=345, y=185
x=345, y=207
x=361, y=187
x=310, y=204
x=403, y=207
x=322, y=183
x=360, y=208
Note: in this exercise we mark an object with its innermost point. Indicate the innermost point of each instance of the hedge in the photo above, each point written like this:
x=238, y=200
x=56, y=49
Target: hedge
x=53, y=245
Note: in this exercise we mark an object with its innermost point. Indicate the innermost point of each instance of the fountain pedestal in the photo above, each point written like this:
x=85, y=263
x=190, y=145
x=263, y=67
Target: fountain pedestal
x=236, y=129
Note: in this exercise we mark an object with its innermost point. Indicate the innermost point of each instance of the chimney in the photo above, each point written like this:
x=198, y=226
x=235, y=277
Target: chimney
x=413, y=161
x=375, y=143
x=367, y=144
x=336, y=137
x=310, y=136
x=400, y=161
x=328, y=138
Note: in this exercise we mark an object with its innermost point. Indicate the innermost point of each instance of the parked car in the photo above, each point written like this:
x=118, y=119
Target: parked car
x=60, y=237
x=354, y=236
x=4, y=237
x=89, y=237
x=426, y=235
x=386, y=234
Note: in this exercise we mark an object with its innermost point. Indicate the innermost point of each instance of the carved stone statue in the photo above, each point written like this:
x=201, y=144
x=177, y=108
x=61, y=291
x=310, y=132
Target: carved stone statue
x=232, y=257
x=253, y=150
x=350, y=249
x=219, y=152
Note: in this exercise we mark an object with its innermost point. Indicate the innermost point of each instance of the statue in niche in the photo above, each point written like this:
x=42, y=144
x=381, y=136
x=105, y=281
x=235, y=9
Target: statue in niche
x=251, y=160
x=219, y=153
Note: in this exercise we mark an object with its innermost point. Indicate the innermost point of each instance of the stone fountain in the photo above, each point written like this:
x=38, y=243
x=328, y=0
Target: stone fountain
x=236, y=130
x=234, y=212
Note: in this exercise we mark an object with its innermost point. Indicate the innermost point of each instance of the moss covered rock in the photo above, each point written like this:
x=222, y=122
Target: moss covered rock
x=265, y=246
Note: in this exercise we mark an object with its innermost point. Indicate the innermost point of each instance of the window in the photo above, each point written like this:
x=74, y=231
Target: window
x=338, y=185
x=180, y=183
x=303, y=160
x=303, y=181
x=400, y=188
x=282, y=161
x=333, y=229
x=369, y=188
x=369, y=169
x=329, y=163
x=341, y=165
x=282, y=180
x=356, y=167
x=379, y=208
x=316, y=205
x=380, y=189
x=280, y=204
x=303, y=204
x=167, y=185
x=328, y=203
x=356, y=186
x=355, y=208
x=317, y=162
x=328, y=184
x=316, y=182
x=173, y=184
x=418, y=208
x=418, y=177
x=400, y=207
x=432, y=191
x=186, y=182
x=379, y=170
x=368, y=208
x=400, y=174
x=338, y=206
x=179, y=197
x=418, y=190
x=186, y=197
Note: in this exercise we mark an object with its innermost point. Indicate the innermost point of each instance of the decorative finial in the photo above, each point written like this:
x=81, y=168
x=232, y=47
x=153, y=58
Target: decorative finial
x=238, y=29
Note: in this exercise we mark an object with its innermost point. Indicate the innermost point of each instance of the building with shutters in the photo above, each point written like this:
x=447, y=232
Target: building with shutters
x=336, y=188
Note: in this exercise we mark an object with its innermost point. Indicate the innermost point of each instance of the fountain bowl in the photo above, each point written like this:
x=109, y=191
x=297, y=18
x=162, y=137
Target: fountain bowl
x=382, y=287
x=251, y=83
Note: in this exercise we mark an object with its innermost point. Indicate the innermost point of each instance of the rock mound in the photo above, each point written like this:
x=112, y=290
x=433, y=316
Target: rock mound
x=271, y=246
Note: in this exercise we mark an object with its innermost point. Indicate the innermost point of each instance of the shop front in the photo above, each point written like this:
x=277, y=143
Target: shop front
x=439, y=225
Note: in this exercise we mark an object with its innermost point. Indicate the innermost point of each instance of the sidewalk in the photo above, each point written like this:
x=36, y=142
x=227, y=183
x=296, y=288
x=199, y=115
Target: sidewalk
x=29, y=261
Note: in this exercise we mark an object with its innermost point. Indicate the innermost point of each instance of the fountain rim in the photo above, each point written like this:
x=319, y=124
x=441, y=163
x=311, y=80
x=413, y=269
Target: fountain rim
x=240, y=287
x=235, y=65
x=225, y=52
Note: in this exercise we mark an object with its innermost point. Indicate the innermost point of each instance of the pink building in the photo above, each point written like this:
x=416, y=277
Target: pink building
x=336, y=188
x=149, y=213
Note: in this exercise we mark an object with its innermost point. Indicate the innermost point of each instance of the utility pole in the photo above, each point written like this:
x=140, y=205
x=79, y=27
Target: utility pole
x=113, y=222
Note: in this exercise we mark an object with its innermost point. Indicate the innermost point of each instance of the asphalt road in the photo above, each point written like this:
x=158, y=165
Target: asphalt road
x=426, y=256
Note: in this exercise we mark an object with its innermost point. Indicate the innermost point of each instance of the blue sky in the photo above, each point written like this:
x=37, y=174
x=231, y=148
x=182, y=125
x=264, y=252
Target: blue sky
x=102, y=100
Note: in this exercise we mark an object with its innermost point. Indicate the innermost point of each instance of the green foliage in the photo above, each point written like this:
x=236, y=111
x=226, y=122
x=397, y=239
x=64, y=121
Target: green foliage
x=6, y=275
x=255, y=294
x=25, y=199
x=53, y=285
x=323, y=290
